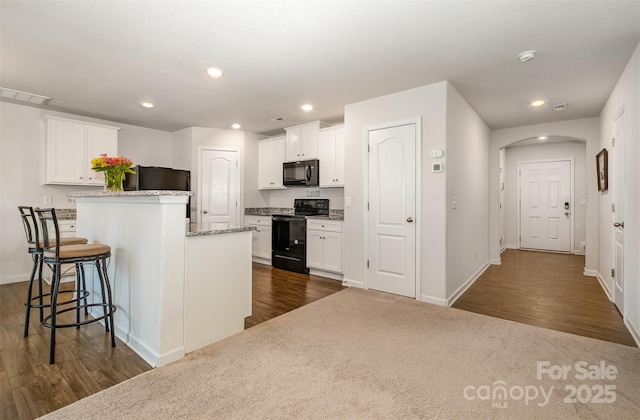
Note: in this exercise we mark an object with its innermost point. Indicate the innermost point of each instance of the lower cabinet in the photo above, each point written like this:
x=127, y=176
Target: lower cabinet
x=261, y=237
x=324, y=245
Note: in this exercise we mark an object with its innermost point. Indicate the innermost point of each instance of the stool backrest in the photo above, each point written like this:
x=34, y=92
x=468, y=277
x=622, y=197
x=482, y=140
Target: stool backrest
x=30, y=227
x=49, y=230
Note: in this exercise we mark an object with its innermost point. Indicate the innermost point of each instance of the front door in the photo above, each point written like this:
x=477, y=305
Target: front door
x=392, y=210
x=545, y=206
x=218, y=186
x=618, y=207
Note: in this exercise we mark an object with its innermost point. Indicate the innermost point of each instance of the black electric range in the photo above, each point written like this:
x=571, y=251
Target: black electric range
x=289, y=234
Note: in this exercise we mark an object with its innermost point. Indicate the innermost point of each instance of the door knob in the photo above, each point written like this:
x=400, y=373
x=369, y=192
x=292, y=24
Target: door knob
x=619, y=224
x=410, y=219
x=566, y=213
x=204, y=211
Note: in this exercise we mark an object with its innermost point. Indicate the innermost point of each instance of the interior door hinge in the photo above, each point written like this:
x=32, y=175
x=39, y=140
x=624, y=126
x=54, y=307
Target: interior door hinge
x=613, y=142
x=367, y=263
x=369, y=148
x=613, y=207
x=613, y=272
x=367, y=206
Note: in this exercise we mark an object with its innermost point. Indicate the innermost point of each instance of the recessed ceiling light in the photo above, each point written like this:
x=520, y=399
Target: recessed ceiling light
x=537, y=103
x=542, y=138
x=527, y=56
x=307, y=107
x=236, y=126
x=214, y=72
x=147, y=104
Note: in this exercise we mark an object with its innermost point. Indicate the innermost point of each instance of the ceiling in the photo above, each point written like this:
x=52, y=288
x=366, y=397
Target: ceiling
x=101, y=59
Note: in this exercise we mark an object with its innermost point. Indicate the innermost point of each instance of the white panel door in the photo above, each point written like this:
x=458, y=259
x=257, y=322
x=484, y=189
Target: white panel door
x=219, y=186
x=545, y=206
x=392, y=205
x=618, y=206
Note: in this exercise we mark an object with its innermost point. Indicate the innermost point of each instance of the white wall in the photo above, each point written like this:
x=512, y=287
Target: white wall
x=467, y=174
x=625, y=95
x=587, y=129
x=22, y=174
x=429, y=104
x=542, y=152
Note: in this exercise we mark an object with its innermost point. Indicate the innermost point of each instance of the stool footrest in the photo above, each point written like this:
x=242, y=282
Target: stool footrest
x=85, y=293
x=110, y=310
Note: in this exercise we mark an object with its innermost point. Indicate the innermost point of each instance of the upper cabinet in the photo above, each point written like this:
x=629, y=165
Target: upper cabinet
x=331, y=155
x=270, y=158
x=70, y=147
x=302, y=141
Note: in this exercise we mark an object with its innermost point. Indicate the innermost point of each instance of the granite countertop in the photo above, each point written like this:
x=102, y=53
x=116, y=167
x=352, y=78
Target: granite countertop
x=66, y=214
x=270, y=211
x=267, y=211
x=204, y=229
x=126, y=193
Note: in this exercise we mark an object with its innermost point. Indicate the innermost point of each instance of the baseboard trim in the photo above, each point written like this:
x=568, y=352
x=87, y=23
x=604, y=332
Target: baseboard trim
x=326, y=274
x=508, y=246
x=15, y=279
x=456, y=295
x=433, y=300
x=353, y=283
x=260, y=260
x=634, y=332
x=590, y=273
x=495, y=261
x=603, y=284
x=152, y=358
x=578, y=252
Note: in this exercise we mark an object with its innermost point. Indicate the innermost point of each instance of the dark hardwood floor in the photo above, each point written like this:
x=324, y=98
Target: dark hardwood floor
x=276, y=292
x=546, y=290
x=85, y=361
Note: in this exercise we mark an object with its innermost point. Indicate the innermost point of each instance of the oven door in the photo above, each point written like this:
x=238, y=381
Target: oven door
x=288, y=243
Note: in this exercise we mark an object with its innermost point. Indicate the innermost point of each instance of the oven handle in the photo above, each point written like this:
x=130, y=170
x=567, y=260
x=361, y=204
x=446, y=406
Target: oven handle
x=286, y=219
x=308, y=173
x=287, y=258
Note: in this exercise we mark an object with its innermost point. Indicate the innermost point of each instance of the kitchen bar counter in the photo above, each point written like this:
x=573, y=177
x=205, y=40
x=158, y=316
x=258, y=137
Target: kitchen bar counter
x=204, y=229
x=177, y=287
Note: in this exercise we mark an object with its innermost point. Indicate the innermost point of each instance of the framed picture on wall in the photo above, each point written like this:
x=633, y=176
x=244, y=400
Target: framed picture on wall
x=603, y=168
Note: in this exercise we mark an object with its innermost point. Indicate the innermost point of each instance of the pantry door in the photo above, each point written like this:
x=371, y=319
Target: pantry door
x=392, y=209
x=545, y=206
x=219, y=186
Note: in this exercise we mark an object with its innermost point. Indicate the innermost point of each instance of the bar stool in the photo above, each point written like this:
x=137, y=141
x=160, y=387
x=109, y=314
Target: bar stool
x=55, y=255
x=34, y=246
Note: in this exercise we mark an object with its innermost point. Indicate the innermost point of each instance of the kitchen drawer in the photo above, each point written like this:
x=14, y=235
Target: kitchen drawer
x=324, y=225
x=258, y=220
x=67, y=225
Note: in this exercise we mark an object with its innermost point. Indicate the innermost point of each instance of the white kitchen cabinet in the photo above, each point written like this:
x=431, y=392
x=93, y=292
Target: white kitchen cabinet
x=70, y=147
x=331, y=155
x=302, y=141
x=271, y=155
x=261, y=237
x=324, y=245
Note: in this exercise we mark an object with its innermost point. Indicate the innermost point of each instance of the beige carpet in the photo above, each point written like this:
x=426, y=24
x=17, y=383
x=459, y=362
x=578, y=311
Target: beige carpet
x=363, y=354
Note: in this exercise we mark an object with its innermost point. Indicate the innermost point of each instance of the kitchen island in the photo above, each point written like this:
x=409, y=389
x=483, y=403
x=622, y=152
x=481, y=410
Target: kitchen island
x=177, y=286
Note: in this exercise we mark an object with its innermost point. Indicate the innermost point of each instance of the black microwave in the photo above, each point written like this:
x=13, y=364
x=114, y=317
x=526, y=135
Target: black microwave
x=304, y=173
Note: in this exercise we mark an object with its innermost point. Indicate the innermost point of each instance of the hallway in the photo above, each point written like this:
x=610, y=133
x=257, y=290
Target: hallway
x=546, y=290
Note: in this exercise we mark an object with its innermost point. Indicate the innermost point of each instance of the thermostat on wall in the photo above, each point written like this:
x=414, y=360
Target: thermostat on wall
x=436, y=153
x=436, y=167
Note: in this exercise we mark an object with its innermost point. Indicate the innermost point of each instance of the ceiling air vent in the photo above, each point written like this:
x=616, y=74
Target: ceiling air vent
x=30, y=98
x=560, y=107
x=276, y=119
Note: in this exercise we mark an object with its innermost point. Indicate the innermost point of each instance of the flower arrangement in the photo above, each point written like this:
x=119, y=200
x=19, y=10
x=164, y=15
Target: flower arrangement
x=114, y=168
